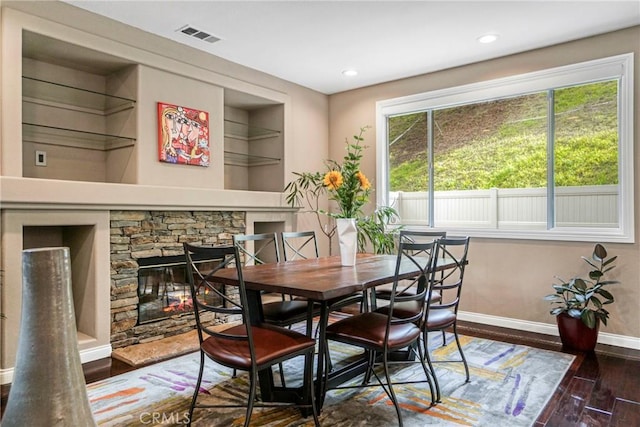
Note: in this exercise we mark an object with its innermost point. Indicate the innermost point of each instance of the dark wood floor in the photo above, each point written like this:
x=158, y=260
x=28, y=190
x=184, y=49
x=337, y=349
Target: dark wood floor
x=600, y=389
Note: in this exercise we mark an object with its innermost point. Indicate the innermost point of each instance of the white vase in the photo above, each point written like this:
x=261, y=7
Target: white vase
x=347, y=240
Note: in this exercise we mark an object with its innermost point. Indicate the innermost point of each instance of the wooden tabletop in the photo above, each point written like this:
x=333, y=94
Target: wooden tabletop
x=319, y=279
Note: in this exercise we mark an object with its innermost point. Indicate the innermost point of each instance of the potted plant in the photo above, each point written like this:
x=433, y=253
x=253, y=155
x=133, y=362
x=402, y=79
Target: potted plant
x=345, y=184
x=579, y=303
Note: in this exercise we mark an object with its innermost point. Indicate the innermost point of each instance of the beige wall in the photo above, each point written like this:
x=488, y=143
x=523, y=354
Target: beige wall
x=166, y=71
x=508, y=278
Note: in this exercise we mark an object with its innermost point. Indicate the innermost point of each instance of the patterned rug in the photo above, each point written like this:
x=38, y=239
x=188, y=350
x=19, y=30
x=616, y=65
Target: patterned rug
x=510, y=385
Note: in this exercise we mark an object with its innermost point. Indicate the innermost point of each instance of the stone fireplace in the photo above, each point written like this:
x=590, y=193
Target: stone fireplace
x=149, y=295
x=108, y=242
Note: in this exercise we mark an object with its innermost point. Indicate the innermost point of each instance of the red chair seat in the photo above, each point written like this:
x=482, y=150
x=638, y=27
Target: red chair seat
x=439, y=319
x=368, y=330
x=285, y=312
x=384, y=292
x=402, y=310
x=270, y=342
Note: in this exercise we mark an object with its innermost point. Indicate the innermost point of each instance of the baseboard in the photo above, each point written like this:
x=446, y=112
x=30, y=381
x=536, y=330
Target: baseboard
x=6, y=376
x=96, y=353
x=545, y=328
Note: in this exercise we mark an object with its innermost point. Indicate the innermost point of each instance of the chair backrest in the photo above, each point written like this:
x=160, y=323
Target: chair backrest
x=452, y=250
x=299, y=245
x=416, y=236
x=203, y=285
x=257, y=248
x=420, y=255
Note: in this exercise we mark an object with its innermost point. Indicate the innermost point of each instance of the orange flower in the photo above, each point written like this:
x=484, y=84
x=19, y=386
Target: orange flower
x=364, y=182
x=333, y=180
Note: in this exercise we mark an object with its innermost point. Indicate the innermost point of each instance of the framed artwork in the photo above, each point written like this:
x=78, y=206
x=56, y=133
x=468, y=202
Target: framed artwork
x=183, y=135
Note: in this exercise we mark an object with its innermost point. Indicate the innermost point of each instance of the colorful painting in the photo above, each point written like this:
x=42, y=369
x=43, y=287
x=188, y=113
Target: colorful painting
x=183, y=135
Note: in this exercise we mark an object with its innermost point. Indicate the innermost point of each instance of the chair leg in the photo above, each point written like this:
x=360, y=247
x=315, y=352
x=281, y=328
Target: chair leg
x=425, y=337
x=308, y=386
x=464, y=360
x=329, y=366
x=252, y=396
x=197, y=390
x=281, y=369
x=390, y=392
x=371, y=356
x=427, y=373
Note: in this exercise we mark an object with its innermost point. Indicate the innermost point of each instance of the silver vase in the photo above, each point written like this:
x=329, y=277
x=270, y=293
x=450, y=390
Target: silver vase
x=48, y=387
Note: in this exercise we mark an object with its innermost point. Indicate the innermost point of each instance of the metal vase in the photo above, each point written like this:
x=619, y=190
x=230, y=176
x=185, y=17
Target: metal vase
x=48, y=387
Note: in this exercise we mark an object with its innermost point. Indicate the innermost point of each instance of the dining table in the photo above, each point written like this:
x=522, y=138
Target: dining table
x=319, y=280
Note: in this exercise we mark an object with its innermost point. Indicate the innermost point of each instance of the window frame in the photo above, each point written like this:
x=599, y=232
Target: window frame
x=614, y=67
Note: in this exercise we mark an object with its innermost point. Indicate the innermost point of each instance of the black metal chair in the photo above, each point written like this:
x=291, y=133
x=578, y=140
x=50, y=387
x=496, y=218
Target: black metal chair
x=243, y=346
x=442, y=315
x=285, y=312
x=380, y=333
x=299, y=245
x=383, y=292
x=259, y=249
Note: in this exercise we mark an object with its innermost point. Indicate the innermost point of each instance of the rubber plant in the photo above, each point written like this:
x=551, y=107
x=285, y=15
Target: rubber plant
x=586, y=298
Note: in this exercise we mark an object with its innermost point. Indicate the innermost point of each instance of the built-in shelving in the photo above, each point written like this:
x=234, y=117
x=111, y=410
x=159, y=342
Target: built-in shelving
x=56, y=97
x=68, y=97
x=245, y=132
x=64, y=137
x=241, y=159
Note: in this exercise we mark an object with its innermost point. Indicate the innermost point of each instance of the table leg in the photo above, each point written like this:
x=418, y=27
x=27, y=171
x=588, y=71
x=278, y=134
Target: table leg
x=323, y=368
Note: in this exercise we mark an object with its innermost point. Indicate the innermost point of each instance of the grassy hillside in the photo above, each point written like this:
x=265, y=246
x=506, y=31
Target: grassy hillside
x=503, y=143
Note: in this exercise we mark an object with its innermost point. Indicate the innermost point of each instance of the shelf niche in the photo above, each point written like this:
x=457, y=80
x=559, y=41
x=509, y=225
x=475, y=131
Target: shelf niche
x=79, y=110
x=253, y=145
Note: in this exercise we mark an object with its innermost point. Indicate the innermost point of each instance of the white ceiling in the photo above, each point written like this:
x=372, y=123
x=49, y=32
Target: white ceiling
x=311, y=42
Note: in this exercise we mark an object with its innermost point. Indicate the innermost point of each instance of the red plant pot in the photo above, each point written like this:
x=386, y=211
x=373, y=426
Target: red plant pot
x=575, y=334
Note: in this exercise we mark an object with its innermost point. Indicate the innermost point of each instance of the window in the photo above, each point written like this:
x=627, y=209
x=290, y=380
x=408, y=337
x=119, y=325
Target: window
x=545, y=155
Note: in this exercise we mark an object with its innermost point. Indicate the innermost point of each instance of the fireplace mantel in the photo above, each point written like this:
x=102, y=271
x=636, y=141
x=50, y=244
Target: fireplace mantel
x=83, y=210
x=33, y=193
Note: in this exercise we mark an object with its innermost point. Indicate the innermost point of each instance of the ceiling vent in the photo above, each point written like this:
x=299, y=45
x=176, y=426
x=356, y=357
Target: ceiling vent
x=194, y=32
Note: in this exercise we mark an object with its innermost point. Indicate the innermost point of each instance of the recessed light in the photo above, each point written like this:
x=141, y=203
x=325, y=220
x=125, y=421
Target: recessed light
x=487, y=38
x=350, y=73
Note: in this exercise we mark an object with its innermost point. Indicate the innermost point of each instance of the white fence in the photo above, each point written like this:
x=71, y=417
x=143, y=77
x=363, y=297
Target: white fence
x=514, y=208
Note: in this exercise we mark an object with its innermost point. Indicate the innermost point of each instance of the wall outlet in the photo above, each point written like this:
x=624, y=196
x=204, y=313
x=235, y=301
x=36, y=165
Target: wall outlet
x=41, y=158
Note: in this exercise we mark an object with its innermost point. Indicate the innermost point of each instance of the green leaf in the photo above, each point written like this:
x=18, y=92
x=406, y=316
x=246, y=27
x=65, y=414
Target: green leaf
x=579, y=284
x=607, y=295
x=589, y=318
x=599, y=252
x=595, y=274
x=596, y=302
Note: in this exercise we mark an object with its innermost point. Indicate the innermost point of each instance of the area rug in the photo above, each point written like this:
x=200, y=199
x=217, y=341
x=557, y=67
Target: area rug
x=510, y=385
